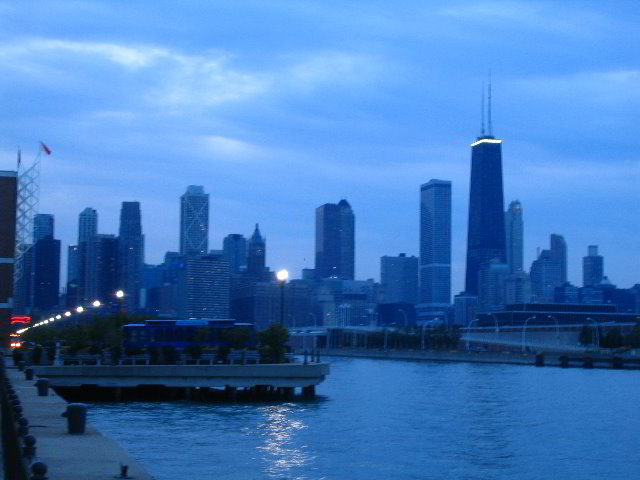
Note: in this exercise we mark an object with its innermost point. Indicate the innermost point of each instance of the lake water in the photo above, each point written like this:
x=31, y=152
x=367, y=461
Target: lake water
x=381, y=419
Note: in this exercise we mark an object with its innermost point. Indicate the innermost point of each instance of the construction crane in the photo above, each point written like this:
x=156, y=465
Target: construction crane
x=27, y=207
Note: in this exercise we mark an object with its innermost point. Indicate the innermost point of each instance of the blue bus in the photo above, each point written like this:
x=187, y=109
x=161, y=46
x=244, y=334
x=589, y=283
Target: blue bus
x=181, y=334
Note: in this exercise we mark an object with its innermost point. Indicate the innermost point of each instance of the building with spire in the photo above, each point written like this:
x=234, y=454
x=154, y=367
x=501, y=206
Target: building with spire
x=256, y=252
x=486, y=231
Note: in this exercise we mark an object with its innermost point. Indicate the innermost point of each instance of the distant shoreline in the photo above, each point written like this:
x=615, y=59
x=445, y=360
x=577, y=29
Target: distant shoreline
x=505, y=358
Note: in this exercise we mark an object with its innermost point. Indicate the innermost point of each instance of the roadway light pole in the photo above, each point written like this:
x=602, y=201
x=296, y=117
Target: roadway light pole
x=282, y=276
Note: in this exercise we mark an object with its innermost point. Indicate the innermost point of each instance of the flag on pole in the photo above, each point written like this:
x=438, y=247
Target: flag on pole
x=45, y=149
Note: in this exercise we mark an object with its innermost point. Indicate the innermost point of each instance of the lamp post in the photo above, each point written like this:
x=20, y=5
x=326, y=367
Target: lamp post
x=282, y=276
x=524, y=330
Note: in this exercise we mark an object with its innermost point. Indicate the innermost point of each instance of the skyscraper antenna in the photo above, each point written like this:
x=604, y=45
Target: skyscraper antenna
x=489, y=109
x=482, y=111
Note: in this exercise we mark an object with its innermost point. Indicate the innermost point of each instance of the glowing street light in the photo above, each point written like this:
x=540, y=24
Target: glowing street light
x=96, y=303
x=67, y=314
x=282, y=276
x=58, y=317
x=80, y=309
x=119, y=294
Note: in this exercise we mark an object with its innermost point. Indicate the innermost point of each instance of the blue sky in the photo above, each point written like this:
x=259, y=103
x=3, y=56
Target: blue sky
x=278, y=107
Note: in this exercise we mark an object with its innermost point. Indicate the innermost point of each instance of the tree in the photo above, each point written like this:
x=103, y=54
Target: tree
x=273, y=343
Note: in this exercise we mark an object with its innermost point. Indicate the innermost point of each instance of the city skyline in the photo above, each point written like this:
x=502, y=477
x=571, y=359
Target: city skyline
x=328, y=116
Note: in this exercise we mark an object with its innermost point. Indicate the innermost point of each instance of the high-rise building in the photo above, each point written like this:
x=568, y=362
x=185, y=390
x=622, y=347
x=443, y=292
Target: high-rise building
x=8, y=200
x=256, y=252
x=73, y=276
x=87, y=229
x=465, y=307
x=204, y=287
x=101, y=279
x=514, y=229
x=335, y=241
x=517, y=288
x=42, y=226
x=87, y=224
x=130, y=254
x=559, y=254
x=234, y=247
x=435, y=244
x=486, y=233
x=546, y=275
x=491, y=286
x=194, y=221
x=46, y=263
x=399, y=278
x=592, y=267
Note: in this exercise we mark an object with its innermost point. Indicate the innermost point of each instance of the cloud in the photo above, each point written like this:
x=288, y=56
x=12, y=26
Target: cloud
x=230, y=148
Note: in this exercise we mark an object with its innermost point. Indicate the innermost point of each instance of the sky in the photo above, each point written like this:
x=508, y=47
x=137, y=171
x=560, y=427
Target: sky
x=278, y=107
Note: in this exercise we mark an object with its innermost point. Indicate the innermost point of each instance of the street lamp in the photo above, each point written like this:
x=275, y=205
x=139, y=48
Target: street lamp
x=282, y=276
x=67, y=314
x=80, y=309
x=96, y=303
x=119, y=294
x=524, y=330
x=58, y=317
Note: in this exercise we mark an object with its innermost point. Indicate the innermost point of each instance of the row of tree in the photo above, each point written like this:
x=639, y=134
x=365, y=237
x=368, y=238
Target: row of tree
x=613, y=338
x=104, y=334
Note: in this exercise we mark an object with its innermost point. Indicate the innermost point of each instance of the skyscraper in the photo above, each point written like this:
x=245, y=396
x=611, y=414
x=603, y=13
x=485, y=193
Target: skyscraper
x=130, y=254
x=8, y=199
x=256, y=252
x=592, y=267
x=486, y=233
x=87, y=224
x=46, y=264
x=399, y=278
x=101, y=278
x=335, y=241
x=194, y=221
x=514, y=229
x=234, y=247
x=204, y=287
x=546, y=275
x=435, y=244
x=42, y=226
x=559, y=254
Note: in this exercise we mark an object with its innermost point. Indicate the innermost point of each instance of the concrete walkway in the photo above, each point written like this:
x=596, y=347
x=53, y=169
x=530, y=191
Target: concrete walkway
x=90, y=456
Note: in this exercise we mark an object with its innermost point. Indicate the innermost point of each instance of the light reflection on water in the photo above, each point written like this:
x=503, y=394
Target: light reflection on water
x=400, y=420
x=278, y=432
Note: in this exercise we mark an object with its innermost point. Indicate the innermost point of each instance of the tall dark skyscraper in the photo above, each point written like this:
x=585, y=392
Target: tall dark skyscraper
x=592, y=267
x=399, y=278
x=130, y=254
x=87, y=229
x=335, y=241
x=486, y=233
x=46, y=264
x=234, y=247
x=514, y=229
x=256, y=252
x=204, y=287
x=435, y=244
x=194, y=221
x=559, y=254
x=101, y=277
x=8, y=199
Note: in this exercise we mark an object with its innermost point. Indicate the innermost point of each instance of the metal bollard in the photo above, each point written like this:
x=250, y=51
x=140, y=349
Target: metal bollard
x=29, y=449
x=21, y=365
x=23, y=427
x=76, y=417
x=43, y=387
x=28, y=374
x=124, y=471
x=39, y=471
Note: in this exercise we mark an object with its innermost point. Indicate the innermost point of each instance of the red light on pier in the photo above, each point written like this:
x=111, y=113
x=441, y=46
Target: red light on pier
x=20, y=319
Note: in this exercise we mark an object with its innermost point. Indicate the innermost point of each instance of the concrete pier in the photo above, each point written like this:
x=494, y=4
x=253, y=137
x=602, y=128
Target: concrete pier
x=88, y=456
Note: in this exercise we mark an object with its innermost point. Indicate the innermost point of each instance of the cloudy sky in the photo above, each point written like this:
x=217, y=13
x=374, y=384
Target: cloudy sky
x=278, y=107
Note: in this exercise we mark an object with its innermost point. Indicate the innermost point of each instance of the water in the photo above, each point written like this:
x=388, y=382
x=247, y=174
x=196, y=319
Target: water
x=400, y=420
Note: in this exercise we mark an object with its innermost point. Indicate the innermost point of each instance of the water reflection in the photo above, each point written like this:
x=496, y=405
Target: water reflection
x=278, y=431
